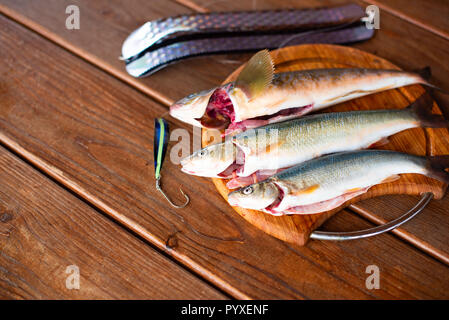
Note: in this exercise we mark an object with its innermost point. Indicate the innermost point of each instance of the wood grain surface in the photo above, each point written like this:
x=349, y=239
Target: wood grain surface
x=410, y=47
x=430, y=15
x=44, y=230
x=94, y=135
x=104, y=25
x=399, y=41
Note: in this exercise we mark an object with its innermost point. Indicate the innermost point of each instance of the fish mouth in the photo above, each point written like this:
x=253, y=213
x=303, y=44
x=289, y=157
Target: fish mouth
x=181, y=112
x=232, y=200
x=219, y=112
x=196, y=170
x=189, y=109
x=235, y=201
x=224, y=174
x=225, y=170
x=187, y=171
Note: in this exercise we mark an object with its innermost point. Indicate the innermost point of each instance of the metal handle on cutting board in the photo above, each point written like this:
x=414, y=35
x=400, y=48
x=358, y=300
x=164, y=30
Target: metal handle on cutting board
x=352, y=235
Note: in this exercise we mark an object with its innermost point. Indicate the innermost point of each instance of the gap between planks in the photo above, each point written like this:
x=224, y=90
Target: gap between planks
x=36, y=177
x=404, y=235
x=125, y=224
x=166, y=101
x=92, y=59
x=116, y=217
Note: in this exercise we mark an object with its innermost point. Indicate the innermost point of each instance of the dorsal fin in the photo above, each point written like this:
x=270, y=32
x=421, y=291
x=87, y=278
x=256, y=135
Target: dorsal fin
x=256, y=75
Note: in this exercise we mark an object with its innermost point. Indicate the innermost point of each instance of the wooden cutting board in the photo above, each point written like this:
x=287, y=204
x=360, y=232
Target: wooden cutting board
x=297, y=228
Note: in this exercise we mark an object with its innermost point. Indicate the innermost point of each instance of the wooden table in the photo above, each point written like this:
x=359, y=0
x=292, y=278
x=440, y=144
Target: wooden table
x=77, y=182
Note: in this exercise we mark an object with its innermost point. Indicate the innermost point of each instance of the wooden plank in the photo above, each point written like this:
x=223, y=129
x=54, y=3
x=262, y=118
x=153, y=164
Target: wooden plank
x=400, y=42
x=94, y=135
x=44, y=229
x=104, y=25
x=430, y=229
x=409, y=47
x=108, y=23
x=430, y=15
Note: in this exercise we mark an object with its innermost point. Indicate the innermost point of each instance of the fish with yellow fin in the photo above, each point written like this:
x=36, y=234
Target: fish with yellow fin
x=325, y=183
x=255, y=154
x=259, y=96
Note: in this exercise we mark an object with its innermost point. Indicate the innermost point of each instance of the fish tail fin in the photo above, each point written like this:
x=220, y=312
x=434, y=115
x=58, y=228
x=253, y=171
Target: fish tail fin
x=437, y=166
x=425, y=74
x=422, y=110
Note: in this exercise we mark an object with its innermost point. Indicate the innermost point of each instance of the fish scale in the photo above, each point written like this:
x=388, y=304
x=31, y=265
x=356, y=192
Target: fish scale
x=325, y=183
x=305, y=138
x=335, y=174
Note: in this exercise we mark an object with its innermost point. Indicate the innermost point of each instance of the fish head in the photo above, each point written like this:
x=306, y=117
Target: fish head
x=218, y=107
x=192, y=107
x=210, y=161
x=257, y=196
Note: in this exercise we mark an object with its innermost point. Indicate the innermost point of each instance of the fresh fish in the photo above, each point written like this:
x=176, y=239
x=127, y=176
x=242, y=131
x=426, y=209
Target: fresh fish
x=215, y=160
x=259, y=97
x=259, y=153
x=325, y=183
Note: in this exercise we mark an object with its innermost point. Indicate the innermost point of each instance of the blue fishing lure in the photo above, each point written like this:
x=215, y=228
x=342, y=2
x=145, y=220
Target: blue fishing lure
x=161, y=131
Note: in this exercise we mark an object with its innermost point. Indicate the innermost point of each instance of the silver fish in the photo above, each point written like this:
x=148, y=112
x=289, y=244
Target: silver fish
x=325, y=183
x=212, y=161
x=259, y=97
x=264, y=150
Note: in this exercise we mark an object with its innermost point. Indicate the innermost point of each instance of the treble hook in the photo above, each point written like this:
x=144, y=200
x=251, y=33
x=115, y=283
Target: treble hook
x=158, y=187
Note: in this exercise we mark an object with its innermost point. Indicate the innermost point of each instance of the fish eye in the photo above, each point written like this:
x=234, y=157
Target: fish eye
x=248, y=190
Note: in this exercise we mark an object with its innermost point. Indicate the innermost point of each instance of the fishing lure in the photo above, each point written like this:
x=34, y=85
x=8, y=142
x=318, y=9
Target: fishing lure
x=160, y=149
x=259, y=96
